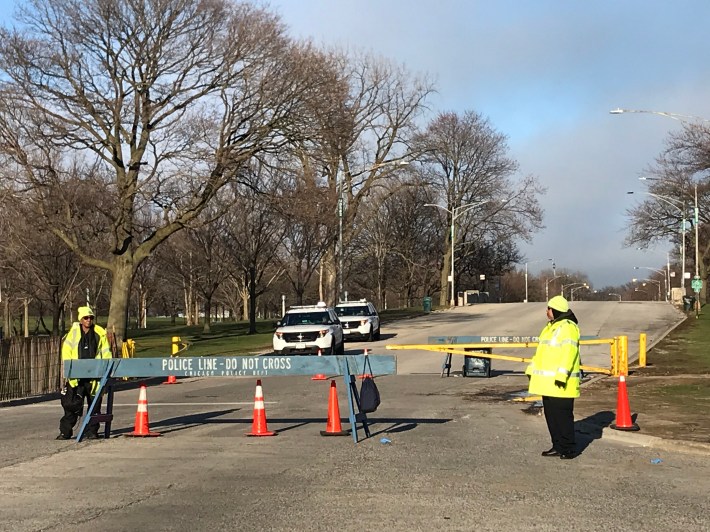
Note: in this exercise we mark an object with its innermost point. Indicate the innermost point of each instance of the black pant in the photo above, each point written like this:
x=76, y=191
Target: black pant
x=73, y=404
x=559, y=414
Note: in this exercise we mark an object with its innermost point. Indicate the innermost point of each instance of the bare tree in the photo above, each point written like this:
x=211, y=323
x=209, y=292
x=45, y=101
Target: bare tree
x=164, y=102
x=363, y=129
x=466, y=162
x=251, y=236
x=679, y=175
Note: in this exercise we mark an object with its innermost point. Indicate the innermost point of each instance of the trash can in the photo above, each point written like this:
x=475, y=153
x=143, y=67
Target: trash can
x=688, y=303
x=477, y=366
x=426, y=304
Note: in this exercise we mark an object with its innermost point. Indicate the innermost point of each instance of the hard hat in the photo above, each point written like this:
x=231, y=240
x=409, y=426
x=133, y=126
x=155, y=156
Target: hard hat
x=558, y=303
x=83, y=312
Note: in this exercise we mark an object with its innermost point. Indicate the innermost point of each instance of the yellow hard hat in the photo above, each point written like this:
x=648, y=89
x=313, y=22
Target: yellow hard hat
x=83, y=312
x=558, y=303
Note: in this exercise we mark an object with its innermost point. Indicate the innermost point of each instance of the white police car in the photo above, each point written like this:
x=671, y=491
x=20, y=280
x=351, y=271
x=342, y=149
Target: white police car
x=305, y=330
x=359, y=320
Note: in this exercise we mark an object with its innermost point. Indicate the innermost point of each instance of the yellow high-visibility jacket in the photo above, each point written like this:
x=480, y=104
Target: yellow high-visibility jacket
x=70, y=349
x=556, y=360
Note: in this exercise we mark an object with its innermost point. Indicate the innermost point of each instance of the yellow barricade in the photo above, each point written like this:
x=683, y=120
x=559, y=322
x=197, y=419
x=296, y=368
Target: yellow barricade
x=618, y=352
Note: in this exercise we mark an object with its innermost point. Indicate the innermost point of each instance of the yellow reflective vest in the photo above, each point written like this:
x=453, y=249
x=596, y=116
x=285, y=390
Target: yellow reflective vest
x=70, y=349
x=556, y=360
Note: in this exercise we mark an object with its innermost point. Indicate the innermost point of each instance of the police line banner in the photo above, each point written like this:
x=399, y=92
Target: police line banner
x=229, y=366
x=493, y=339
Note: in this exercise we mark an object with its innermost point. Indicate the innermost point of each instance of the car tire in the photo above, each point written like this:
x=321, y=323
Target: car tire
x=377, y=335
x=341, y=350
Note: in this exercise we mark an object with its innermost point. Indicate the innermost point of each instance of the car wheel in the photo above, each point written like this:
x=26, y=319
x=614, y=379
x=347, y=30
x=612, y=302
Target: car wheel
x=377, y=335
x=332, y=348
x=341, y=351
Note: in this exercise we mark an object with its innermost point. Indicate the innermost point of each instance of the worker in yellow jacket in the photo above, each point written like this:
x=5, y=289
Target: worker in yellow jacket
x=85, y=339
x=555, y=375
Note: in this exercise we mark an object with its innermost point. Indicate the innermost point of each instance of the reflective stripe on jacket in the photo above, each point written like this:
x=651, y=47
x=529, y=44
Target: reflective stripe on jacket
x=556, y=360
x=70, y=349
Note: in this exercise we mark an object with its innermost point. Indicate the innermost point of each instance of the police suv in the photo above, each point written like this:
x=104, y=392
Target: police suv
x=306, y=330
x=359, y=319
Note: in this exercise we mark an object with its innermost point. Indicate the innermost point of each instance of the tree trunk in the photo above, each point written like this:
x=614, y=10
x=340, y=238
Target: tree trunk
x=445, y=272
x=252, y=300
x=208, y=315
x=120, y=295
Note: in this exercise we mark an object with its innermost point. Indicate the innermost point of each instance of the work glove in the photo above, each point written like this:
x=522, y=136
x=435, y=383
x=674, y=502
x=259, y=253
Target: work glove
x=560, y=384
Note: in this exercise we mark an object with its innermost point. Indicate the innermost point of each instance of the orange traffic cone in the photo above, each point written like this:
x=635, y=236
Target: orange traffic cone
x=365, y=375
x=258, y=427
x=623, y=413
x=332, y=427
x=141, y=426
x=171, y=380
x=319, y=376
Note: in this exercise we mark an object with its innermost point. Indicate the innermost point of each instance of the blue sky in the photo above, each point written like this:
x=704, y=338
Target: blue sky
x=546, y=73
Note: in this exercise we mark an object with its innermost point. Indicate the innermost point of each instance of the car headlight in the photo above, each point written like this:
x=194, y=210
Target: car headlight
x=324, y=332
x=279, y=335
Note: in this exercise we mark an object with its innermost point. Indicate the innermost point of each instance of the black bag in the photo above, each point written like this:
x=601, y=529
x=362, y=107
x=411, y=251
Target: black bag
x=369, y=394
x=71, y=399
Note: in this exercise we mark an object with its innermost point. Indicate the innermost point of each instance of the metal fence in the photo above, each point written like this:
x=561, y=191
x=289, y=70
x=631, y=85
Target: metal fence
x=29, y=366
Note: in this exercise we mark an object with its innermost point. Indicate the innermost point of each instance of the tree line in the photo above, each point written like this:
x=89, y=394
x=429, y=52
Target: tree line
x=188, y=157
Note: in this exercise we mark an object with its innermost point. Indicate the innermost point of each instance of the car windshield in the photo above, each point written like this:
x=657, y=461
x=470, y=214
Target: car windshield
x=306, y=318
x=355, y=310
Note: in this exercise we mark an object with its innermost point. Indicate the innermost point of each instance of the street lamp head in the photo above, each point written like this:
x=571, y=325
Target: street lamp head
x=617, y=111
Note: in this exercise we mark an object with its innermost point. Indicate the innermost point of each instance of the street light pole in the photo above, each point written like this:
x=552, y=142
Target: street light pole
x=573, y=290
x=665, y=279
x=341, y=208
x=672, y=202
x=455, y=213
x=526, y=274
x=547, y=285
x=659, y=286
x=562, y=292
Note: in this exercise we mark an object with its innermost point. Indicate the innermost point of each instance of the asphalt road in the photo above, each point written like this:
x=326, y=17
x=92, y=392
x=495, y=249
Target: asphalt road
x=440, y=455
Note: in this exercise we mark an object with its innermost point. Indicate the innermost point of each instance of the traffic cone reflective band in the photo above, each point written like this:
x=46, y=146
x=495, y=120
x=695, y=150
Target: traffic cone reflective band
x=365, y=375
x=171, y=380
x=141, y=427
x=258, y=426
x=623, y=412
x=319, y=376
x=333, y=427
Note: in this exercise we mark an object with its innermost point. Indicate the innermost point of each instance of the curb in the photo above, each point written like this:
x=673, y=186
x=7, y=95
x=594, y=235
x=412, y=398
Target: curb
x=646, y=440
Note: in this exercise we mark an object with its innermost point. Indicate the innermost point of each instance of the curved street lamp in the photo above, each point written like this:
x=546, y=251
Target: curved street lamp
x=526, y=273
x=674, y=116
x=659, y=286
x=455, y=213
x=665, y=280
x=573, y=290
x=675, y=204
x=547, y=284
x=562, y=291
x=617, y=295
